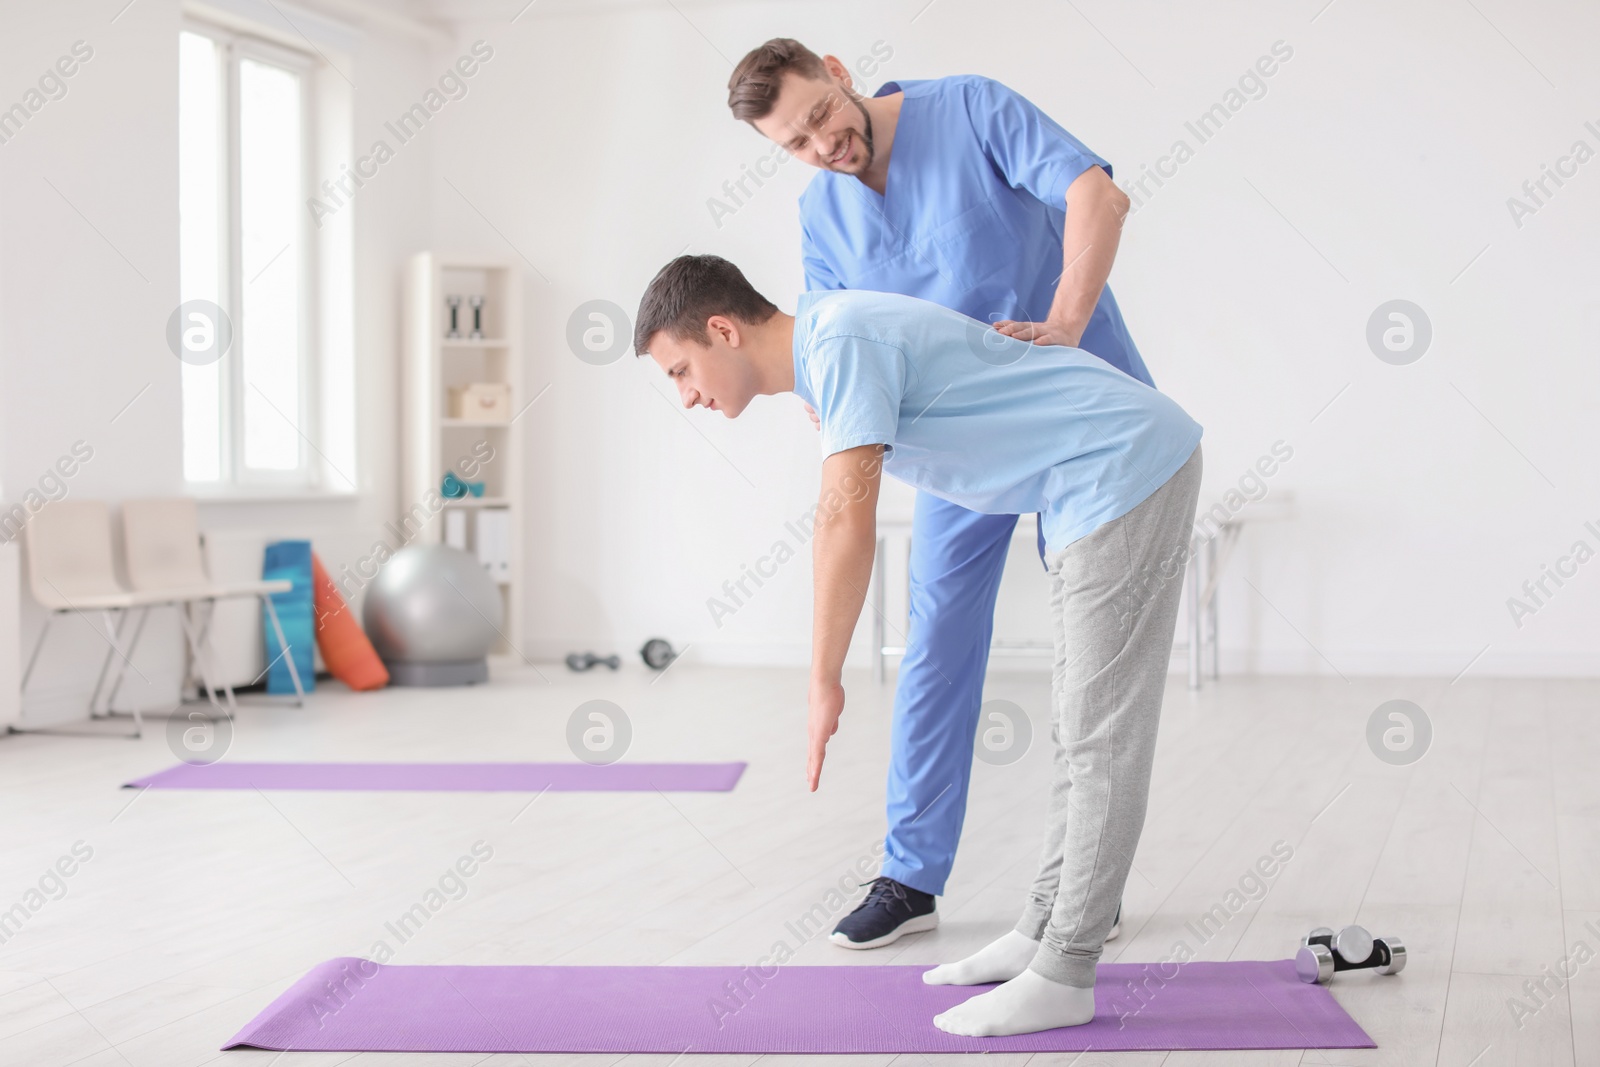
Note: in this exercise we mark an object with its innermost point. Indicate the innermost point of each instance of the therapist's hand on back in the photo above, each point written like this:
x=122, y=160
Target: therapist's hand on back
x=1042, y=333
x=816, y=423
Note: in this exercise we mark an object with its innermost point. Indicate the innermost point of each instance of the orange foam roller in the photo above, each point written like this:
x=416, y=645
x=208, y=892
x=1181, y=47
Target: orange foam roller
x=348, y=654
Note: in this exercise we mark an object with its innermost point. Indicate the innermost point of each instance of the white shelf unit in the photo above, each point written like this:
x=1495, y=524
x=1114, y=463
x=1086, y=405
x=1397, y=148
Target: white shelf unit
x=433, y=441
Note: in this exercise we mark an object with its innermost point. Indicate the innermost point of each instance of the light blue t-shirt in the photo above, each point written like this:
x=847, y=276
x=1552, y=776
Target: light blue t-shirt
x=996, y=425
x=971, y=216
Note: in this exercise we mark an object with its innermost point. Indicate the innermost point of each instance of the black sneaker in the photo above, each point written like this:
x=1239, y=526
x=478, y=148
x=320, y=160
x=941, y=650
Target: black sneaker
x=890, y=911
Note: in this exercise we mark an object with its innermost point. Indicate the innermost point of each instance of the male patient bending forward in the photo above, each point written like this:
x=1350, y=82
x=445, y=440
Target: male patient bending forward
x=998, y=425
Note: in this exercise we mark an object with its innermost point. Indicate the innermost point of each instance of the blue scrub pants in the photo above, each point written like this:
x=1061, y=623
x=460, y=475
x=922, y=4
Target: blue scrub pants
x=957, y=557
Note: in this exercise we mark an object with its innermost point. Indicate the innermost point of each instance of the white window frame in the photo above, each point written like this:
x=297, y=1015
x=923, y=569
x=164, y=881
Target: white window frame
x=234, y=477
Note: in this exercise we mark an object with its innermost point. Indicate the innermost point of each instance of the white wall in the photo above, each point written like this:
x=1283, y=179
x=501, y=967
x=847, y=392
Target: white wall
x=88, y=268
x=1376, y=166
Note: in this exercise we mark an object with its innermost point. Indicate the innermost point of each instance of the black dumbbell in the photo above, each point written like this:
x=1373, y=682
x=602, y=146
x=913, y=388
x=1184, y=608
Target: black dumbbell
x=1323, y=952
x=582, y=661
x=657, y=653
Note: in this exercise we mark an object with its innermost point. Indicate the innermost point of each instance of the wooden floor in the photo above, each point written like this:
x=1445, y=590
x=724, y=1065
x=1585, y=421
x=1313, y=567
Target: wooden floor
x=197, y=909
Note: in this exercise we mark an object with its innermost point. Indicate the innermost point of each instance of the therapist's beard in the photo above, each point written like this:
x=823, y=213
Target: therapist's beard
x=866, y=135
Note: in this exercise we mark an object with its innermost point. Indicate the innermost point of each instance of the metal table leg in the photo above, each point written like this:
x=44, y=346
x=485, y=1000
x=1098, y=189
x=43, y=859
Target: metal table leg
x=1192, y=579
x=1211, y=609
x=879, y=570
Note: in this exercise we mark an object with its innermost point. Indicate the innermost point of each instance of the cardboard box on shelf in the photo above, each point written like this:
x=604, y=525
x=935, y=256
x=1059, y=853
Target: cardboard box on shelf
x=481, y=401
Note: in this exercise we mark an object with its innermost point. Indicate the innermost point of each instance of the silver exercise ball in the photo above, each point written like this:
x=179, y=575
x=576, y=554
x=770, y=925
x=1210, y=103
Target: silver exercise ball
x=432, y=614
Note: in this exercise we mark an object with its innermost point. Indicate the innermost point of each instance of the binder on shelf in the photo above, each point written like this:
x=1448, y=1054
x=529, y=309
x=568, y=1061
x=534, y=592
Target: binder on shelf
x=503, y=557
x=494, y=542
x=455, y=528
x=484, y=541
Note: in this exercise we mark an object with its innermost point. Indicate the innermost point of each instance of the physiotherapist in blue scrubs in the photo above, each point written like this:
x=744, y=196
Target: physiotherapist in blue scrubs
x=959, y=191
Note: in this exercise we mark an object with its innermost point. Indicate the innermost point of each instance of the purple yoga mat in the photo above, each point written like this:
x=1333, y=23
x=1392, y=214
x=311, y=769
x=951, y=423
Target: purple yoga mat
x=349, y=1004
x=465, y=777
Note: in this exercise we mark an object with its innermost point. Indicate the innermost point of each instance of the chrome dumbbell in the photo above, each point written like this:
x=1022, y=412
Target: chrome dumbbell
x=582, y=661
x=1323, y=952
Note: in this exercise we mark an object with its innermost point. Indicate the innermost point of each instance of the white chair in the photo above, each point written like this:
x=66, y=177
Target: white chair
x=161, y=545
x=70, y=570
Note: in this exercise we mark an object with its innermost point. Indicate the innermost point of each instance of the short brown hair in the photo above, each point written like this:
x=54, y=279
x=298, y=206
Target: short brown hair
x=687, y=292
x=753, y=89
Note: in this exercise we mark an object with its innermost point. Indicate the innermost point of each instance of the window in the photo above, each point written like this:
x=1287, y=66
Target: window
x=245, y=137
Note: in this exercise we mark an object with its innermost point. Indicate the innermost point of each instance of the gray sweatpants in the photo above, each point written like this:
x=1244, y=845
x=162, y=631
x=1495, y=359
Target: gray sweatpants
x=1114, y=598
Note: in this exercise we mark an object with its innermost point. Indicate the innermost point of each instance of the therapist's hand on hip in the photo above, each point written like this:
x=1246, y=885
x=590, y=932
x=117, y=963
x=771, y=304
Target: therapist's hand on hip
x=1042, y=333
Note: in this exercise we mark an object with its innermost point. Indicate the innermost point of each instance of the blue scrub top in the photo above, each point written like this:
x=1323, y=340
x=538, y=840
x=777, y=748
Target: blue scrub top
x=971, y=216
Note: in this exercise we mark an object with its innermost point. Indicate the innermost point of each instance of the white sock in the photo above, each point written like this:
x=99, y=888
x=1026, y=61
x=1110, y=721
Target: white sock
x=999, y=961
x=1026, y=1004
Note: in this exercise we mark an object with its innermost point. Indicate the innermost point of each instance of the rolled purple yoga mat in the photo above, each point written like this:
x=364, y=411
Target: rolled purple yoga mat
x=351, y=1004
x=464, y=777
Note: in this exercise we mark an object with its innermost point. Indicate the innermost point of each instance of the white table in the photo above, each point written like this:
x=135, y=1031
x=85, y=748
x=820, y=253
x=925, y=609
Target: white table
x=1203, y=575
x=898, y=529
